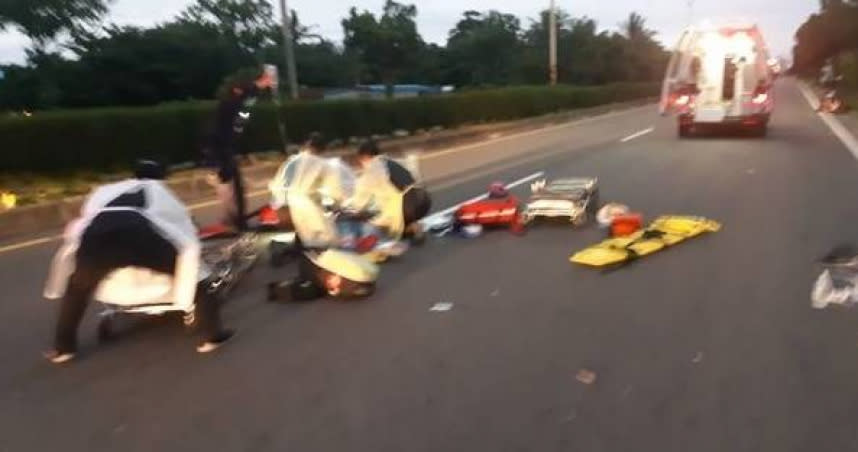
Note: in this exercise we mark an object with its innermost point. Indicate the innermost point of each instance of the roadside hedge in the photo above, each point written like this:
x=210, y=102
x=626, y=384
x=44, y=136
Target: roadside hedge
x=112, y=138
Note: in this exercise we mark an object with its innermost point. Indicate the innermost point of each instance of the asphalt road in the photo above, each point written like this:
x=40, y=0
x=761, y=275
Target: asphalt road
x=708, y=346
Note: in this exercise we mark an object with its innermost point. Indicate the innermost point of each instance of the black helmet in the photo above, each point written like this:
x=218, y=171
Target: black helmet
x=149, y=169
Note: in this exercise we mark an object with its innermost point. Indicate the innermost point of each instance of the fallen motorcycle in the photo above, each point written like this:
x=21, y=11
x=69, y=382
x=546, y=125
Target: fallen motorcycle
x=831, y=101
x=226, y=259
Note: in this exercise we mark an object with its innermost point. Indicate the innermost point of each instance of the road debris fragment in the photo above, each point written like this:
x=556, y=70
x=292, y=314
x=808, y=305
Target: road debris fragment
x=698, y=358
x=442, y=306
x=585, y=376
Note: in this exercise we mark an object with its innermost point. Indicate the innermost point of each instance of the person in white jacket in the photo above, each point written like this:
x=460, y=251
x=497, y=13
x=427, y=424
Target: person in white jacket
x=299, y=187
x=388, y=188
x=133, y=224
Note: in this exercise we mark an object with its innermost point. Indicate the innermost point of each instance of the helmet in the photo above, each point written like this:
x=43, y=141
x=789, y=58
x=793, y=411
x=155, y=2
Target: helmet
x=149, y=169
x=608, y=212
x=498, y=190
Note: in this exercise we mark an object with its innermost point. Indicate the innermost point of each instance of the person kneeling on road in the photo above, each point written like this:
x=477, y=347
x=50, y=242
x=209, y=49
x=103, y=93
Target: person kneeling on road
x=298, y=189
x=137, y=223
x=393, y=190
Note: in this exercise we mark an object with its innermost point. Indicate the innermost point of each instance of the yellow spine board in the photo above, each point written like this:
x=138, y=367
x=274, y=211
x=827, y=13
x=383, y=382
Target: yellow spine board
x=663, y=232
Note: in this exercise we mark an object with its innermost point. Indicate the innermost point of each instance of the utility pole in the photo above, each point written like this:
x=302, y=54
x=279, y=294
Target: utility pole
x=289, y=53
x=690, y=11
x=552, y=45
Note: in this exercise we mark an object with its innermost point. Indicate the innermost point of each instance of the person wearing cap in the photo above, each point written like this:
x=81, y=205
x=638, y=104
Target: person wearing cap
x=231, y=117
x=393, y=192
x=136, y=223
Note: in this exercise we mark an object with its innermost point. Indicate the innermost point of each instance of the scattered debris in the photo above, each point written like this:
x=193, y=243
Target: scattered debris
x=471, y=230
x=751, y=171
x=495, y=293
x=838, y=280
x=572, y=416
x=585, y=376
x=442, y=306
x=698, y=358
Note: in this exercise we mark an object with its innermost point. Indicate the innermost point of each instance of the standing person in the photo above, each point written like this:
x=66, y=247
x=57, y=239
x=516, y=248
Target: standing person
x=229, y=122
x=401, y=202
x=137, y=223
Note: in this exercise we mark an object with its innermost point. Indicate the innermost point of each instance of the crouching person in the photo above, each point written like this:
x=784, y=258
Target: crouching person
x=133, y=224
x=393, y=192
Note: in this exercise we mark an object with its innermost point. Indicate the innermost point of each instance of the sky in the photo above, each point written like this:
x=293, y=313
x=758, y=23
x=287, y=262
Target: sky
x=777, y=18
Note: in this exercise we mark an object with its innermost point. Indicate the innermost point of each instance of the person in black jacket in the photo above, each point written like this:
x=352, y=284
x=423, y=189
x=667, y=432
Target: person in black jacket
x=230, y=118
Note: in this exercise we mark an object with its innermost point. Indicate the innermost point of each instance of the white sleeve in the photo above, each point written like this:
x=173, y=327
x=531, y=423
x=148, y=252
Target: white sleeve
x=172, y=217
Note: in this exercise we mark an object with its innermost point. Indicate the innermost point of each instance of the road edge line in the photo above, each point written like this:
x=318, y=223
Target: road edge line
x=612, y=114
x=637, y=135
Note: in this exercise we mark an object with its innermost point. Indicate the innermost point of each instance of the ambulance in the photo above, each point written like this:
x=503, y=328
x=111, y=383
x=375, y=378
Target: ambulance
x=719, y=76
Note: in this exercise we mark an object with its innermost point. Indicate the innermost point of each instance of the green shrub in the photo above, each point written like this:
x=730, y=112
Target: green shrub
x=109, y=139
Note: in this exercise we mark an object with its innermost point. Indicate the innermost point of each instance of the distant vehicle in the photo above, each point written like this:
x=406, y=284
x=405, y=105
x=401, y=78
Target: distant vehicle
x=719, y=76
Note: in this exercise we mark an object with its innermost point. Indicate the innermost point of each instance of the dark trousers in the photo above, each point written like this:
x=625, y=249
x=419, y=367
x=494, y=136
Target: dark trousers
x=230, y=172
x=115, y=240
x=415, y=205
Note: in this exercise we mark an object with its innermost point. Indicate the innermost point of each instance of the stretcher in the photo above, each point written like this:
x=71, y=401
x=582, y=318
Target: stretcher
x=664, y=232
x=225, y=261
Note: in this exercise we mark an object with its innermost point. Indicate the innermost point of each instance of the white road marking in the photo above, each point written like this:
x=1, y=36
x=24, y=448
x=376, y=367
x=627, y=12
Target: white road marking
x=449, y=210
x=443, y=306
x=613, y=114
x=831, y=121
x=29, y=243
x=637, y=134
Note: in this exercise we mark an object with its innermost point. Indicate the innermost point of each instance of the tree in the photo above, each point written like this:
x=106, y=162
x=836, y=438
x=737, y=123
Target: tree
x=249, y=22
x=43, y=20
x=824, y=35
x=483, y=49
x=385, y=46
x=634, y=29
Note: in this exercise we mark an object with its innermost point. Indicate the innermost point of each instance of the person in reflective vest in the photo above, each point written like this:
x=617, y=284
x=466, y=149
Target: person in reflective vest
x=387, y=187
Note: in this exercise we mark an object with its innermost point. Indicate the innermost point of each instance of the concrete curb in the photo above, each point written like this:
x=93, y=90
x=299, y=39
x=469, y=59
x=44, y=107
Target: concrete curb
x=192, y=186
